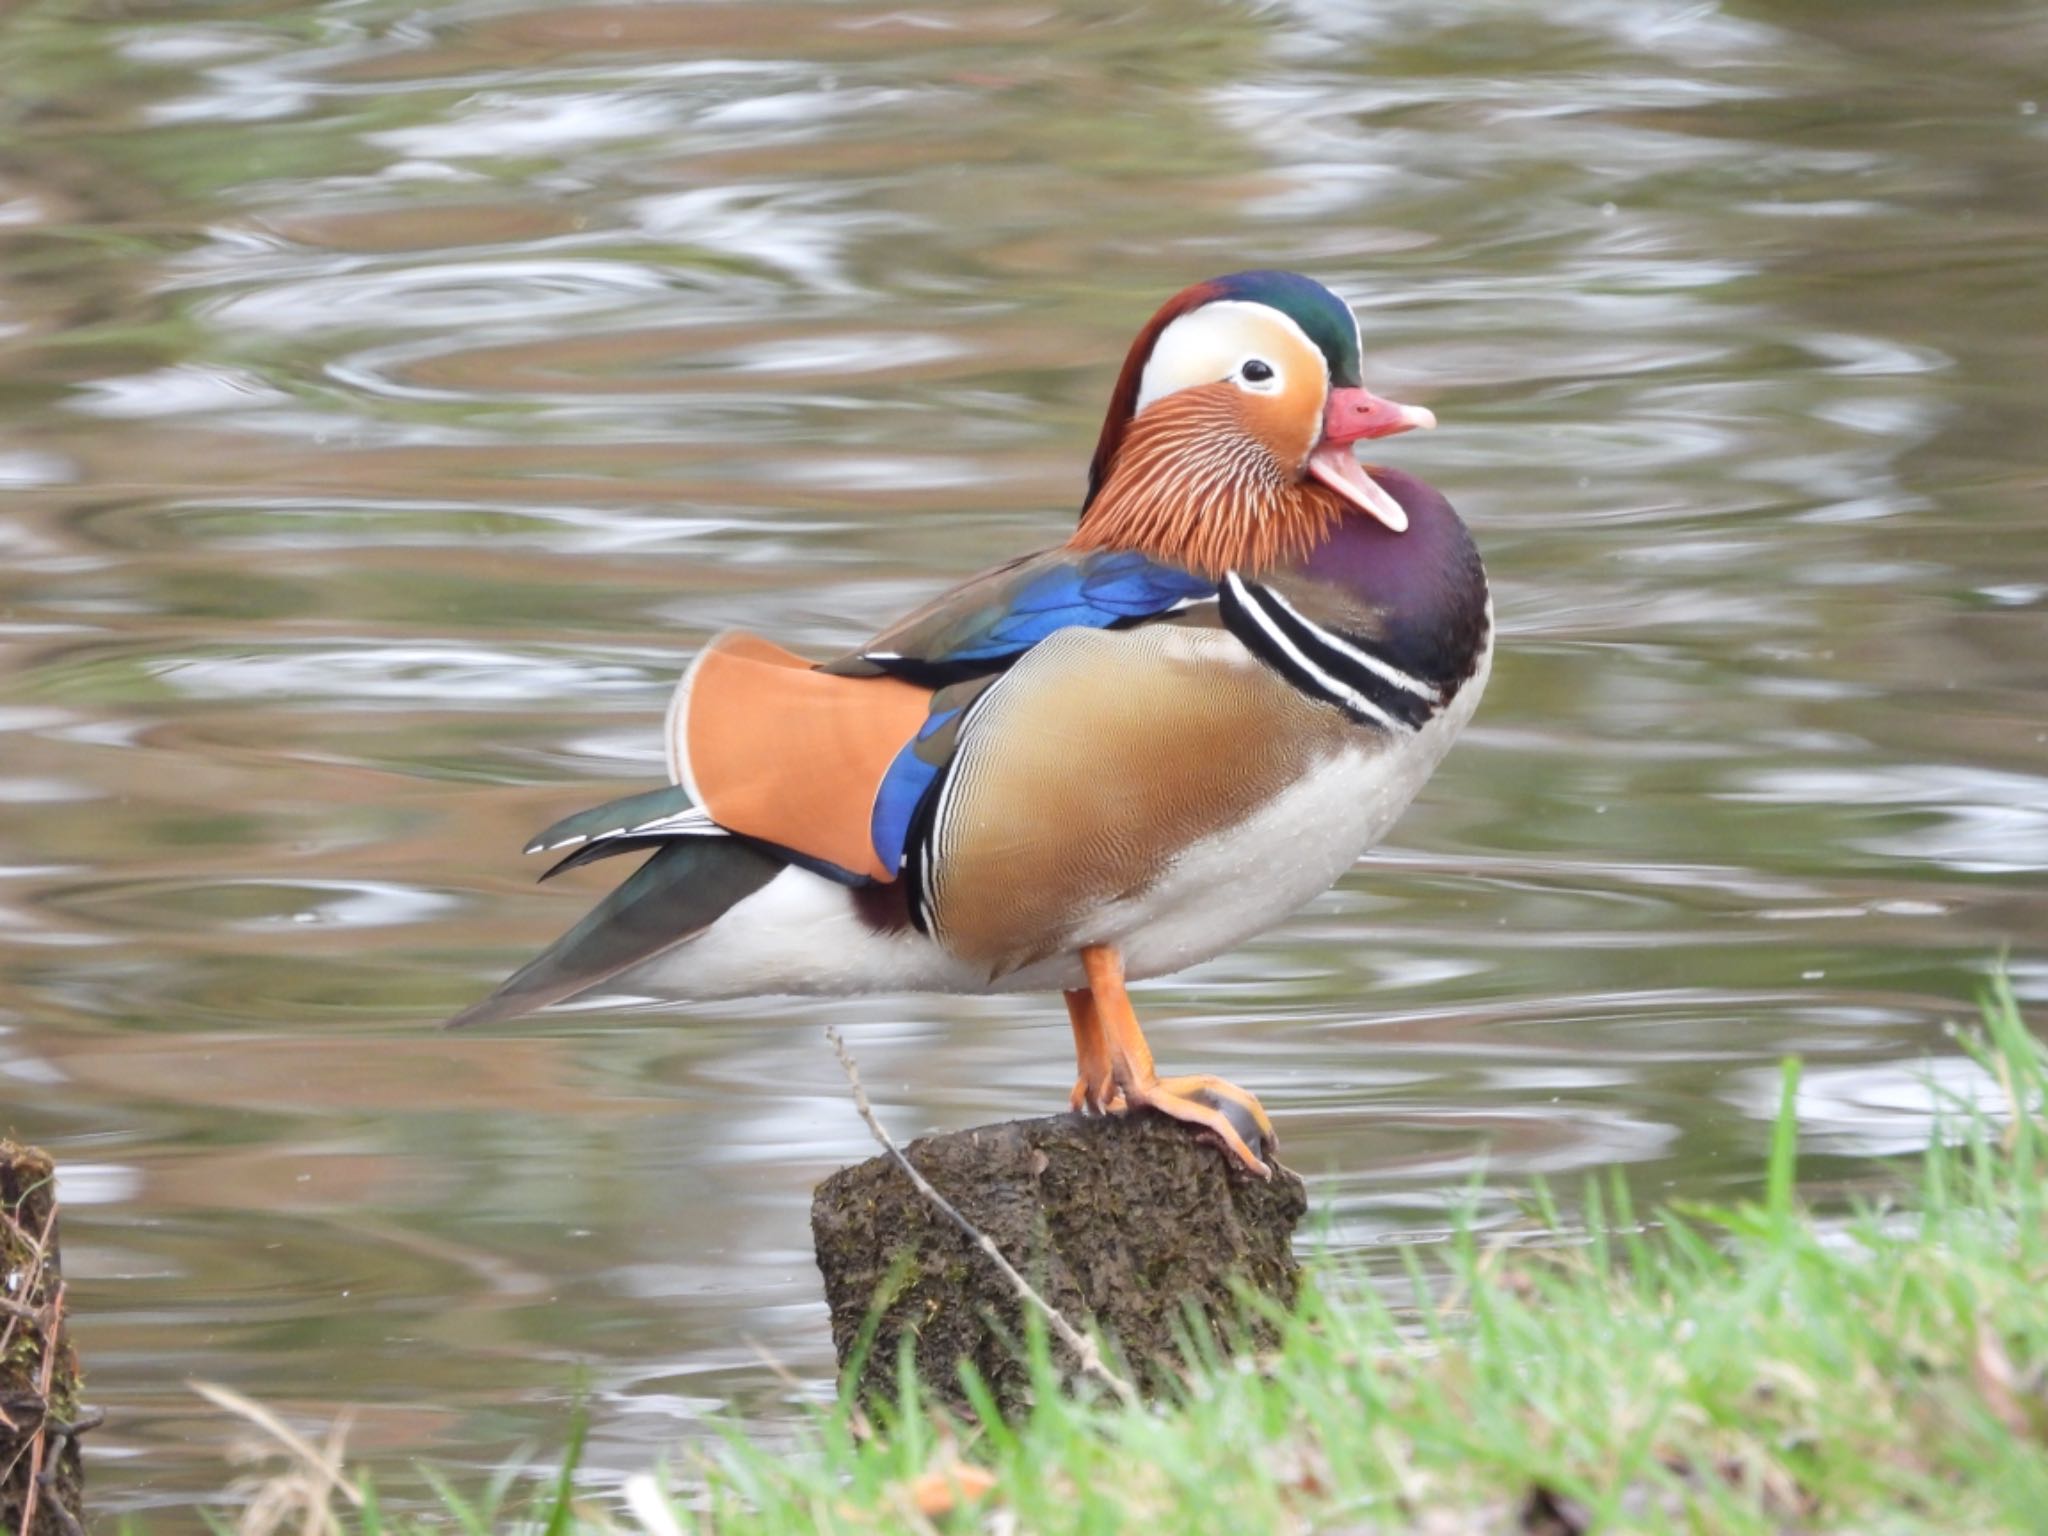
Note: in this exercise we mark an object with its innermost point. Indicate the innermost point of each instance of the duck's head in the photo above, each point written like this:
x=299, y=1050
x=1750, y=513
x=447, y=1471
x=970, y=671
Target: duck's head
x=1228, y=438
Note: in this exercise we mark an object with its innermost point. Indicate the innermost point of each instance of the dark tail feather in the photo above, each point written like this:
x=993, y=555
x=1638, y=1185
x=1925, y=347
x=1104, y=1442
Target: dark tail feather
x=602, y=848
x=632, y=825
x=687, y=886
x=616, y=818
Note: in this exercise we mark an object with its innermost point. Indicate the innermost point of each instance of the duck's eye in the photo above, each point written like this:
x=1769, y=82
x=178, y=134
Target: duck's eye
x=1256, y=371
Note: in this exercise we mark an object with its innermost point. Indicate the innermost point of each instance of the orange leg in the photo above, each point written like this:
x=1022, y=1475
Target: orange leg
x=1197, y=1100
x=1095, y=1090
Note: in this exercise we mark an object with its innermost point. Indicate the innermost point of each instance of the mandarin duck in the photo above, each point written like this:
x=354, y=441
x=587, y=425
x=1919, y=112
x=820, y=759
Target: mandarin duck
x=1091, y=765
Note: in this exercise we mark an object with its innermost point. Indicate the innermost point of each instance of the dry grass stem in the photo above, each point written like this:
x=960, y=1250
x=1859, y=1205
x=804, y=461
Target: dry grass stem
x=304, y=1490
x=49, y=1320
x=39, y=1443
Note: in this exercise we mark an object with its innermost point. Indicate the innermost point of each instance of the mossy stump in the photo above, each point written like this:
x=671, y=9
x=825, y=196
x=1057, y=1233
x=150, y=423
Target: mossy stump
x=1126, y=1223
x=39, y=1412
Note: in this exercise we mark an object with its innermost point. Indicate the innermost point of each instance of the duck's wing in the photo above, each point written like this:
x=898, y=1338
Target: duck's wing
x=985, y=624
x=965, y=636
x=777, y=760
x=831, y=763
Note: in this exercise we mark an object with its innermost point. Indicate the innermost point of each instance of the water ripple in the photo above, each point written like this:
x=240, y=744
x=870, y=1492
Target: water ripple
x=398, y=394
x=409, y=675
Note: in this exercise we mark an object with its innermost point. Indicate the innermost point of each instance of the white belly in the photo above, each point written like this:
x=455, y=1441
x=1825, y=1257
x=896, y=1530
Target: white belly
x=801, y=934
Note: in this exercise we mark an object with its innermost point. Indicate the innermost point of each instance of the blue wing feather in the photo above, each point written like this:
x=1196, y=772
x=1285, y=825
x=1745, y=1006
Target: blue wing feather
x=1093, y=595
x=902, y=790
x=985, y=623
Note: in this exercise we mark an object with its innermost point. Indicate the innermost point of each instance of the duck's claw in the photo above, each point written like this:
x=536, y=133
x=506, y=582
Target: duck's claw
x=1223, y=1109
x=1095, y=1090
x=1236, y=1104
x=1091, y=1097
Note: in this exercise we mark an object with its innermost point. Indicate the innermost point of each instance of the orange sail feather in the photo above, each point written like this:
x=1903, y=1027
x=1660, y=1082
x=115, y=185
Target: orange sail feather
x=773, y=748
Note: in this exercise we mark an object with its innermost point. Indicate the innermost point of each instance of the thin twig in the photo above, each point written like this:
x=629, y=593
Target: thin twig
x=60, y=1437
x=52, y=1324
x=41, y=1439
x=1083, y=1347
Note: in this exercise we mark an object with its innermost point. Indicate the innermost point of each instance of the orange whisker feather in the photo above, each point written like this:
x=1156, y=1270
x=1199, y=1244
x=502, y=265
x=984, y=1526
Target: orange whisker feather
x=1189, y=486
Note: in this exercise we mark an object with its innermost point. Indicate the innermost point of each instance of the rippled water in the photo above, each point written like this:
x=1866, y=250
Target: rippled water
x=392, y=396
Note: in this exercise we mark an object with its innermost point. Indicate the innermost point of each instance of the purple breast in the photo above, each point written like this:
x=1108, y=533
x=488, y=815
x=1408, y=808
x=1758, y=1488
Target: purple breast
x=1427, y=584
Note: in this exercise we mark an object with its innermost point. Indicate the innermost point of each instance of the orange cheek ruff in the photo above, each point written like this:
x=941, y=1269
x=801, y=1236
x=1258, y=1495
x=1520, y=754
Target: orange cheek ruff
x=1196, y=484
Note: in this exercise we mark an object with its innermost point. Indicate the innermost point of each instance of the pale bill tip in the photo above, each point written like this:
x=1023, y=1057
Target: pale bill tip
x=1335, y=466
x=1384, y=507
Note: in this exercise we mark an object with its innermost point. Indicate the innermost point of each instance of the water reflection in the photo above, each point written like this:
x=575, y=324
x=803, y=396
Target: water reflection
x=397, y=397
x=1880, y=1110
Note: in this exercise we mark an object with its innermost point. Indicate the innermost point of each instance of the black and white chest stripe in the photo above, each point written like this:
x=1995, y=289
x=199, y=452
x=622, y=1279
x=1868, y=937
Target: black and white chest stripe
x=1323, y=663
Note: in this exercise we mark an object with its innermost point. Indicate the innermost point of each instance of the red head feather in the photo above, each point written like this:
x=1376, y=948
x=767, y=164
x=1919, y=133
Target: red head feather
x=1123, y=400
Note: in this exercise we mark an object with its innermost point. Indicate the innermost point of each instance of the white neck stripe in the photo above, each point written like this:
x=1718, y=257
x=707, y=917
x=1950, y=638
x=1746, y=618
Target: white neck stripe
x=1338, y=692
x=1373, y=664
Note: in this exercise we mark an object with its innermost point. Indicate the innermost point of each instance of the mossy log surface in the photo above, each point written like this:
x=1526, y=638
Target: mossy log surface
x=39, y=1410
x=1123, y=1223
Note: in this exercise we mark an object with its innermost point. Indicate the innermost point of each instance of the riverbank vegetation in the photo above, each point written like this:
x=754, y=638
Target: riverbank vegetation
x=1748, y=1368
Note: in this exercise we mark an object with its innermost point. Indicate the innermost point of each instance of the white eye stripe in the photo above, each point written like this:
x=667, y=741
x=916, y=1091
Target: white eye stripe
x=1215, y=342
